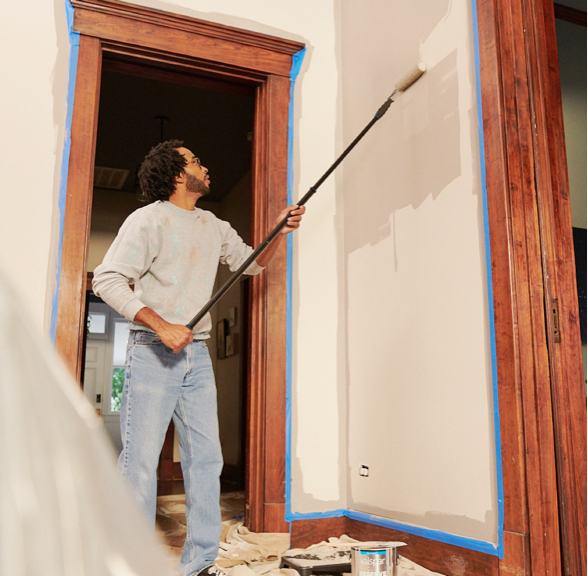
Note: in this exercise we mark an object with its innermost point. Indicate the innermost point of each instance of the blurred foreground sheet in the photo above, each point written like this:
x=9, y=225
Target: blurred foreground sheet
x=64, y=510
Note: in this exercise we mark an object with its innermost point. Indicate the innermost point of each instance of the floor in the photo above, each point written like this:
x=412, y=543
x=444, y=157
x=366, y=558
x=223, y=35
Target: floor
x=244, y=553
x=171, y=520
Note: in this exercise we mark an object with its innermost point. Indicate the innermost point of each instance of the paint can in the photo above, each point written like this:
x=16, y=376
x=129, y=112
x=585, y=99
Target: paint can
x=374, y=560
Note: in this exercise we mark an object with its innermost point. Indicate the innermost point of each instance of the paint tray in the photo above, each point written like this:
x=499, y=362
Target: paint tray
x=307, y=564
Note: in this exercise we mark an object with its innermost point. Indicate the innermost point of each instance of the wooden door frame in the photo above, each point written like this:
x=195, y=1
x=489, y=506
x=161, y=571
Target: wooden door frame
x=184, y=45
x=541, y=392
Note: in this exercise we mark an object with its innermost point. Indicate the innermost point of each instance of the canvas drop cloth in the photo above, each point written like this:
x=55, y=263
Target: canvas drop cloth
x=245, y=553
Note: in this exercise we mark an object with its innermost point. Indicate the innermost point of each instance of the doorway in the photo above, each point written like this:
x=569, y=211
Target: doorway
x=138, y=109
x=170, y=45
x=106, y=338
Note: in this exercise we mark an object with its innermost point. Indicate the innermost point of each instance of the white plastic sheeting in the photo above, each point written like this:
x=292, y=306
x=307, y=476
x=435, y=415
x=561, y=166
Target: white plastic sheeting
x=64, y=510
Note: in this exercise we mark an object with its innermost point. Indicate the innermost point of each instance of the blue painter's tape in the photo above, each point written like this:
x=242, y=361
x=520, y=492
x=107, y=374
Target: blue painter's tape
x=438, y=536
x=74, y=43
x=290, y=516
x=498, y=449
x=296, y=64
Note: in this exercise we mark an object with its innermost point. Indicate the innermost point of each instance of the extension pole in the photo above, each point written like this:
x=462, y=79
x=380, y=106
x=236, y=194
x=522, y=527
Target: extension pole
x=400, y=86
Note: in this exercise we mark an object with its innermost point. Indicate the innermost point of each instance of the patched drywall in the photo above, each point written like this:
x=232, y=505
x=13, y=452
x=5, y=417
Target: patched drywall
x=420, y=410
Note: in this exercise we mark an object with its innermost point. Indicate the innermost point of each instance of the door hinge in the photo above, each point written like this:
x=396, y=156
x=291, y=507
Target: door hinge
x=555, y=319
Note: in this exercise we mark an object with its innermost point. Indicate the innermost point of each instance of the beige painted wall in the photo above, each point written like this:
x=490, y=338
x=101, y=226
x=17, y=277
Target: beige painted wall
x=571, y=44
x=418, y=351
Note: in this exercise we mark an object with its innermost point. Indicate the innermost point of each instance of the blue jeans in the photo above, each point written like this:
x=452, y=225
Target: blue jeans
x=158, y=386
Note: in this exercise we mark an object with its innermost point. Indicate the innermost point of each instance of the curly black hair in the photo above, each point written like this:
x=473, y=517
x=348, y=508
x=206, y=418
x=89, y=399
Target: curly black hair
x=159, y=170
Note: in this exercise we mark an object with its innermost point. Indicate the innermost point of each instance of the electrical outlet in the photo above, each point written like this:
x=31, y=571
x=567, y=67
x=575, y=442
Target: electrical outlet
x=364, y=470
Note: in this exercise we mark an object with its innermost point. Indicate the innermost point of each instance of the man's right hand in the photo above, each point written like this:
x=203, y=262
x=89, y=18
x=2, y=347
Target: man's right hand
x=174, y=336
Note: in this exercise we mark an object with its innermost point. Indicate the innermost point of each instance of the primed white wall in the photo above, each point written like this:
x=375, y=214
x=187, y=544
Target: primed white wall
x=33, y=93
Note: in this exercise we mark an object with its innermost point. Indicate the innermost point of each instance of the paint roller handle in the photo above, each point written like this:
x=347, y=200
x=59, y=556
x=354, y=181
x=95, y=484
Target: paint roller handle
x=404, y=83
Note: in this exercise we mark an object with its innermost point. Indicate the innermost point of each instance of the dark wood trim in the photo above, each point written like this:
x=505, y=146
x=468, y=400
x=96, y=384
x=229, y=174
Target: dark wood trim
x=436, y=556
x=267, y=403
x=542, y=408
x=72, y=285
x=305, y=533
x=214, y=32
x=135, y=37
x=569, y=14
x=275, y=348
x=255, y=441
x=564, y=339
x=161, y=31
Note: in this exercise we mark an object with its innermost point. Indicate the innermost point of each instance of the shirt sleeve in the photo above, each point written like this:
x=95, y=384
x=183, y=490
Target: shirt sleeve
x=234, y=251
x=126, y=261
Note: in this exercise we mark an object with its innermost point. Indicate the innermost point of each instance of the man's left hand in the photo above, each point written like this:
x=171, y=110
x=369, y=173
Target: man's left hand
x=296, y=213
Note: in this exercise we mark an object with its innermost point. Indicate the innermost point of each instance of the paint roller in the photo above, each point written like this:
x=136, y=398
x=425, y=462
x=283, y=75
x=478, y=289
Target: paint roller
x=401, y=85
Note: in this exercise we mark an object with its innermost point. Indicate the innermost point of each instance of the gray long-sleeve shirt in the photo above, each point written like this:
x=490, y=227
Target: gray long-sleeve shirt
x=172, y=256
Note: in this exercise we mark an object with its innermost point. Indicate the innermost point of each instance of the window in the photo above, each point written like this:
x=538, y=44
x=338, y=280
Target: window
x=96, y=323
x=119, y=349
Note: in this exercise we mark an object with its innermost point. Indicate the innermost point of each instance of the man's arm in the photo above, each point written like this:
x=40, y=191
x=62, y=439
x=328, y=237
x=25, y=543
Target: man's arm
x=293, y=223
x=174, y=336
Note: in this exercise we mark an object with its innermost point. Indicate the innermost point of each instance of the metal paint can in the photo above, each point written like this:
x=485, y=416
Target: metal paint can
x=378, y=560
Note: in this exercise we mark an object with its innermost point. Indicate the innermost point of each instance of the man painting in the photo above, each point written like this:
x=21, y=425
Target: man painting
x=170, y=251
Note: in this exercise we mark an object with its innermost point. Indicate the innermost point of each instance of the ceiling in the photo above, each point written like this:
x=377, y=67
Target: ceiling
x=215, y=125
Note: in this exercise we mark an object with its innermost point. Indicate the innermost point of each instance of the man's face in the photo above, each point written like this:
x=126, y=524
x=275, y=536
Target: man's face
x=197, y=179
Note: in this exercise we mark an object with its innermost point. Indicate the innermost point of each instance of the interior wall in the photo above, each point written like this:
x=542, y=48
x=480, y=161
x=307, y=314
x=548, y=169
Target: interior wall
x=419, y=365
x=230, y=381
x=571, y=46
x=387, y=244
x=33, y=116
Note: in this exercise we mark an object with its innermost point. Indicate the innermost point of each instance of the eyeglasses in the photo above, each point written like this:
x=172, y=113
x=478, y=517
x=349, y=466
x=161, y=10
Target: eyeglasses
x=196, y=162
